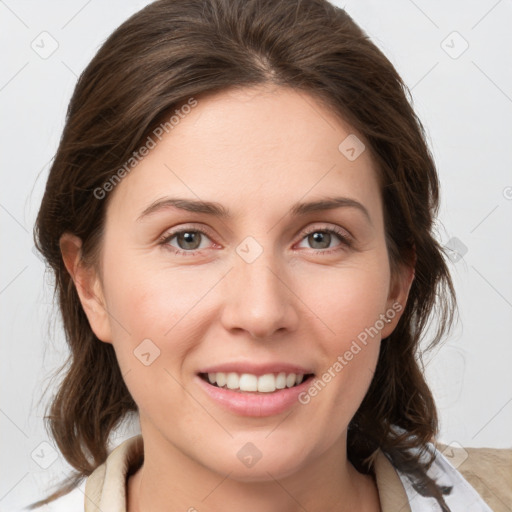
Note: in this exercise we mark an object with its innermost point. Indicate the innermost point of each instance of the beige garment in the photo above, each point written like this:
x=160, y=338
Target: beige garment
x=488, y=470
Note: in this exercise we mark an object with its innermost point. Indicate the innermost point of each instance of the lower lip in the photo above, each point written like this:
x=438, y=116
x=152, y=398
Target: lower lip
x=255, y=404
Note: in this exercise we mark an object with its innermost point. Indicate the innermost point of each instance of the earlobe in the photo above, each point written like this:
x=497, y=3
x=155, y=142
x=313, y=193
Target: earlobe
x=88, y=286
x=397, y=299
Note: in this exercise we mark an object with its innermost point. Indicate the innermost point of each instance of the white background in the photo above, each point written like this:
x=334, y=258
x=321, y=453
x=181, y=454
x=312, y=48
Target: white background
x=465, y=104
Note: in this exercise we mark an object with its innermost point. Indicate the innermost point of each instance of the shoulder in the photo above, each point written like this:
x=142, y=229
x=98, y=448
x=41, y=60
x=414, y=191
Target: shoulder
x=487, y=470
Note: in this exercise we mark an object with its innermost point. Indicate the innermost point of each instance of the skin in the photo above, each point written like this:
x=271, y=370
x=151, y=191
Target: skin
x=256, y=151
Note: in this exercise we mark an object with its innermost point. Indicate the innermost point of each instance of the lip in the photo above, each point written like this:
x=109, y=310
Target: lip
x=256, y=369
x=252, y=403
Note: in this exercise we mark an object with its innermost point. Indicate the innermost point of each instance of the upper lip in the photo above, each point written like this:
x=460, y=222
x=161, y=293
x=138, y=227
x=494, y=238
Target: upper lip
x=256, y=369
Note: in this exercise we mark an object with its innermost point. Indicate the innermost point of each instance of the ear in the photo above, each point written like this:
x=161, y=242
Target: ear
x=88, y=286
x=399, y=289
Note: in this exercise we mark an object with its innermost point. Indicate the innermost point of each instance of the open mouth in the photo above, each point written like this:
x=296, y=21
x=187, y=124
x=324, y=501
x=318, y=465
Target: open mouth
x=249, y=383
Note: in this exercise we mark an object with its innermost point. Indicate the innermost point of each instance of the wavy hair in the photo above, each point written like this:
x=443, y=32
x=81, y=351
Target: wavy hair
x=172, y=50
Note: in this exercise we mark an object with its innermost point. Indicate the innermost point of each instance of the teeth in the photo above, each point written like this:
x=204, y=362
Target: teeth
x=249, y=382
x=290, y=380
x=281, y=380
x=220, y=378
x=267, y=383
x=232, y=380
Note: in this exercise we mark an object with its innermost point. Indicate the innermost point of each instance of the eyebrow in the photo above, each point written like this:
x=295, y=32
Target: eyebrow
x=218, y=210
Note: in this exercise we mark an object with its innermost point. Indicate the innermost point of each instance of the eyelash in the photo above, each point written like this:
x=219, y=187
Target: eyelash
x=345, y=240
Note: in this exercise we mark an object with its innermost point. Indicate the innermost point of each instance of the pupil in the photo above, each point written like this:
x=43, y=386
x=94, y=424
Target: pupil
x=188, y=239
x=319, y=237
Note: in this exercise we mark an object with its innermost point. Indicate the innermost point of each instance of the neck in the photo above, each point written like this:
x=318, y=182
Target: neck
x=170, y=480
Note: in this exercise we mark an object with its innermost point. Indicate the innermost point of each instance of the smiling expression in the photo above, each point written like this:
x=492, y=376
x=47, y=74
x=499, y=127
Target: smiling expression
x=247, y=243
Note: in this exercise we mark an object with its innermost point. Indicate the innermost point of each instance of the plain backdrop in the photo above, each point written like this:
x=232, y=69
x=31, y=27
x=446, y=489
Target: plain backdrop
x=455, y=58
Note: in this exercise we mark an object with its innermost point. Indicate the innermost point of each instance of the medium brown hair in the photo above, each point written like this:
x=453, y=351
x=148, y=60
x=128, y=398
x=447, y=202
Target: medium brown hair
x=173, y=50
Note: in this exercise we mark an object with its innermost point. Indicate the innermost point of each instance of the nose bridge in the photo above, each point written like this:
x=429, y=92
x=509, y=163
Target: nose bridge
x=257, y=299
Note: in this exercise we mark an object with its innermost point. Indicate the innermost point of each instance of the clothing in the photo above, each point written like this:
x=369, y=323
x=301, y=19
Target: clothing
x=105, y=489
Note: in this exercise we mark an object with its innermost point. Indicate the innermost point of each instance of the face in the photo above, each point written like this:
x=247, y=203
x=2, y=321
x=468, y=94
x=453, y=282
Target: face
x=260, y=297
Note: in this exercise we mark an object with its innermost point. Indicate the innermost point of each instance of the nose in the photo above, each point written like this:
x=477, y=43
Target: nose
x=259, y=299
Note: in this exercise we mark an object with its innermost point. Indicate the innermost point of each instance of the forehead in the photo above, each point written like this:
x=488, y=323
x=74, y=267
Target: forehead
x=250, y=147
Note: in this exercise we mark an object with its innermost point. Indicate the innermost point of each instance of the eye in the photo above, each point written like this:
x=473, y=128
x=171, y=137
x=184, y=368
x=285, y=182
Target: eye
x=321, y=238
x=188, y=241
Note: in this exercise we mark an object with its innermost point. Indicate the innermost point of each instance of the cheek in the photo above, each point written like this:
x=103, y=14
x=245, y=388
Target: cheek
x=151, y=301
x=348, y=305
x=348, y=300
x=147, y=310
x=152, y=334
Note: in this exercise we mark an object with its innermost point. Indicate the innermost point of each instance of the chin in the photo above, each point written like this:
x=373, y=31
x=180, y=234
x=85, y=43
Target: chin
x=249, y=464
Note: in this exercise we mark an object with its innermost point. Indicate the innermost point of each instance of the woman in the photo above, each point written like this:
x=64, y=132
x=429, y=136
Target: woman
x=239, y=218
